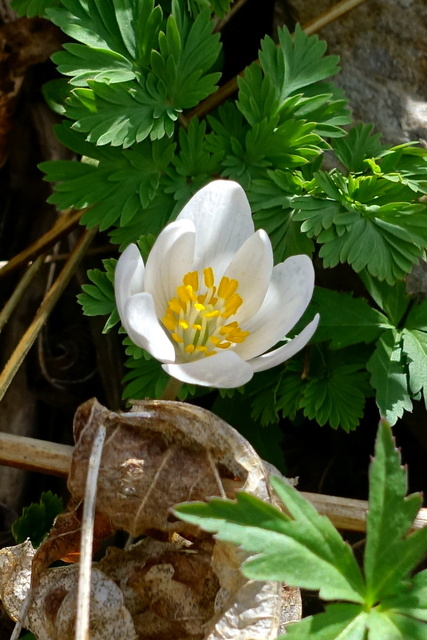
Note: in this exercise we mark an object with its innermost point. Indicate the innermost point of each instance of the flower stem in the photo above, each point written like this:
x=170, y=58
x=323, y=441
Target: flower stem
x=172, y=389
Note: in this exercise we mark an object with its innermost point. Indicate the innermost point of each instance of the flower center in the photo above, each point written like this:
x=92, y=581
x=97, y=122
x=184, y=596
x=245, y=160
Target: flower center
x=198, y=321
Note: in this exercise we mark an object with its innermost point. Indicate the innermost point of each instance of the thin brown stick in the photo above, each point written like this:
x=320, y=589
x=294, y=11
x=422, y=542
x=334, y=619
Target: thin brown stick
x=19, y=290
x=55, y=459
x=230, y=87
x=43, y=312
x=62, y=227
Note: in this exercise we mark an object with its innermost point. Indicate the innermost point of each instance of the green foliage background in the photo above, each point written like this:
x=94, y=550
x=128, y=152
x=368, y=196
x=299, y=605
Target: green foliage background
x=131, y=76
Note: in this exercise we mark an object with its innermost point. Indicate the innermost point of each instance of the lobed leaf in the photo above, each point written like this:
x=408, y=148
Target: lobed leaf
x=389, y=378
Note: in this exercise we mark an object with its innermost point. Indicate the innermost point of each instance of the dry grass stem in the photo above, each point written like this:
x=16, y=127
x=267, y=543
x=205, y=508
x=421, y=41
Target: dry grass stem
x=48, y=457
x=46, y=306
x=85, y=568
x=62, y=227
x=20, y=289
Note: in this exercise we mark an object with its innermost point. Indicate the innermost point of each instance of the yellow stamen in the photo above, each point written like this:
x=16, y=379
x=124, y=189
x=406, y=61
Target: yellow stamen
x=208, y=276
x=227, y=287
x=224, y=345
x=196, y=321
x=191, y=279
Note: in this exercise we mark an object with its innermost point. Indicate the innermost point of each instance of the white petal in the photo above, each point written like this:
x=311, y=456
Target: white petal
x=252, y=267
x=128, y=277
x=286, y=300
x=222, y=217
x=144, y=329
x=169, y=260
x=224, y=370
x=273, y=358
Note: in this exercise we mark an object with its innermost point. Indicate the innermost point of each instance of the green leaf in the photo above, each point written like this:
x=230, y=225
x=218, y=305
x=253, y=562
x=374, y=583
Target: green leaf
x=388, y=556
x=116, y=185
x=338, y=622
x=84, y=63
x=297, y=63
x=145, y=378
x=98, y=299
x=345, y=320
x=270, y=200
x=411, y=598
x=392, y=299
x=393, y=626
x=307, y=551
x=33, y=8
x=389, y=377
x=37, y=519
x=129, y=111
x=360, y=220
x=358, y=144
x=415, y=348
x=337, y=398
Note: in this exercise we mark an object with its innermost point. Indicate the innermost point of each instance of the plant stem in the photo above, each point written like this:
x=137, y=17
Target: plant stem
x=20, y=289
x=172, y=389
x=43, y=312
x=63, y=226
x=55, y=459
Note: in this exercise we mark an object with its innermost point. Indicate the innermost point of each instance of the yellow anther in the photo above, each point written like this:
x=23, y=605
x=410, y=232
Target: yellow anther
x=224, y=345
x=169, y=321
x=191, y=279
x=208, y=276
x=195, y=320
x=227, y=287
x=176, y=306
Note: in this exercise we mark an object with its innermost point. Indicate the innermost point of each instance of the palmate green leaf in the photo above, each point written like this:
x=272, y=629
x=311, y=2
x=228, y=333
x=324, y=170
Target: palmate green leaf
x=386, y=240
x=116, y=184
x=297, y=62
x=114, y=25
x=389, y=376
x=270, y=200
x=98, y=298
x=145, y=378
x=33, y=8
x=393, y=626
x=84, y=63
x=411, y=599
x=178, y=78
x=392, y=299
x=345, y=320
x=338, y=622
x=388, y=556
x=337, y=398
x=359, y=143
x=37, y=519
x=307, y=550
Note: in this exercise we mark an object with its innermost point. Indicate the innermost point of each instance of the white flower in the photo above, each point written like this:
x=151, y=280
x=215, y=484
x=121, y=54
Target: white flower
x=209, y=304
